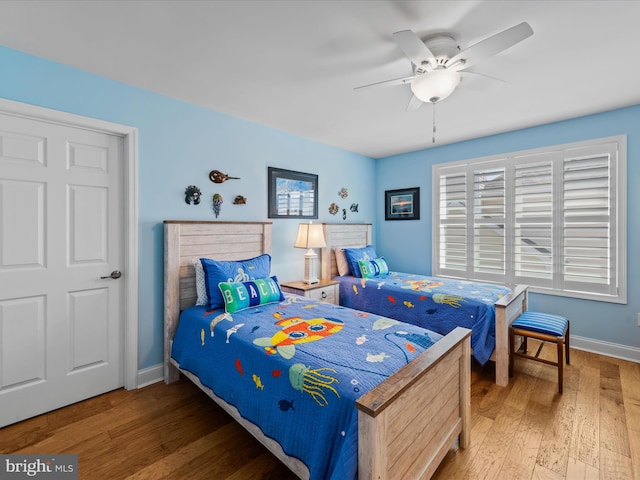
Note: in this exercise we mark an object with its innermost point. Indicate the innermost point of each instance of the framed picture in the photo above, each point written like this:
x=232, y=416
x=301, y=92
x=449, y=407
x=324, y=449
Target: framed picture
x=292, y=194
x=402, y=204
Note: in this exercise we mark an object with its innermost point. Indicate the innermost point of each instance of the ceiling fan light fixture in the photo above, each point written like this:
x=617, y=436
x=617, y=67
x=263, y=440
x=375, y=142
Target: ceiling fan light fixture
x=436, y=85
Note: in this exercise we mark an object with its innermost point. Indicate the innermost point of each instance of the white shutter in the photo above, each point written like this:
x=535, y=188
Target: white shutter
x=587, y=220
x=489, y=216
x=452, y=213
x=533, y=220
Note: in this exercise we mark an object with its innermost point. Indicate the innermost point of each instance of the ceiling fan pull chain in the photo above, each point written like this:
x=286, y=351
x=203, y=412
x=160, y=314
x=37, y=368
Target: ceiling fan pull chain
x=433, y=139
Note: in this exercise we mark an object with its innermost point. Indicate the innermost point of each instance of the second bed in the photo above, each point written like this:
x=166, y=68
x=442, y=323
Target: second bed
x=434, y=303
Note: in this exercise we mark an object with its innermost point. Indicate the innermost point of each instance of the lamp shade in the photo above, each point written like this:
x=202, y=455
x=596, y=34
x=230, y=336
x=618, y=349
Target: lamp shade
x=436, y=85
x=310, y=235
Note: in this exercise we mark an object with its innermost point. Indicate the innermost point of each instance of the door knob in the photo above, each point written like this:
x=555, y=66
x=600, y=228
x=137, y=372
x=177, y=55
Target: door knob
x=115, y=275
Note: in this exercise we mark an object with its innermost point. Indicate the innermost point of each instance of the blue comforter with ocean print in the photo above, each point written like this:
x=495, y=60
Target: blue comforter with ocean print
x=439, y=304
x=295, y=369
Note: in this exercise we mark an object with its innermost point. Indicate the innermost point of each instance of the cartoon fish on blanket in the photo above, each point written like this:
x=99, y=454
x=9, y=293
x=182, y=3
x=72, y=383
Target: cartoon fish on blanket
x=258, y=381
x=297, y=330
x=233, y=330
x=379, y=357
x=285, y=405
x=239, y=366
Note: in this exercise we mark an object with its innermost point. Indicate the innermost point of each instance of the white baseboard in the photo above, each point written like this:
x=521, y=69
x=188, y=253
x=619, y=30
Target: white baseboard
x=615, y=350
x=150, y=375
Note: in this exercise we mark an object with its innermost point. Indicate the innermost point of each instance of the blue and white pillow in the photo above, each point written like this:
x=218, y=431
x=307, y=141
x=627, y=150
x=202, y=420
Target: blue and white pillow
x=201, y=285
x=232, y=271
x=356, y=254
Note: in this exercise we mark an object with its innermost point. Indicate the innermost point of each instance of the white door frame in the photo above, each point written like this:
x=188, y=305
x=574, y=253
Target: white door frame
x=130, y=215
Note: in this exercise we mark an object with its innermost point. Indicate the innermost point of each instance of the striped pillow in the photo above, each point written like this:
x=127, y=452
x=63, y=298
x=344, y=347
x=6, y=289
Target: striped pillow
x=240, y=295
x=373, y=268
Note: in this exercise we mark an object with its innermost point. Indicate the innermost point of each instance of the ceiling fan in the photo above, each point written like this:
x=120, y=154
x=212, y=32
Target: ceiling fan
x=439, y=65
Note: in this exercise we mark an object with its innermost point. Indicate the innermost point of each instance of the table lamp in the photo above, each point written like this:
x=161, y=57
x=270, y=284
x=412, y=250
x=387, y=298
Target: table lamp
x=310, y=236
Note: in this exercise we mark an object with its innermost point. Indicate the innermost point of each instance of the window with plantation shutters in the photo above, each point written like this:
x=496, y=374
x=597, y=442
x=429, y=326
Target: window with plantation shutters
x=550, y=218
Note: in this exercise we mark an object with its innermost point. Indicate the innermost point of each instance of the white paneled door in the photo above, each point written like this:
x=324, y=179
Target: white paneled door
x=61, y=237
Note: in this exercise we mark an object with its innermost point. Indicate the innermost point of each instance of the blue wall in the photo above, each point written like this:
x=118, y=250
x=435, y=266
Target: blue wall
x=179, y=144
x=407, y=244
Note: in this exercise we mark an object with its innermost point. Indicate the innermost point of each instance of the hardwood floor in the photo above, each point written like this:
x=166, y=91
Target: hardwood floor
x=529, y=431
x=523, y=431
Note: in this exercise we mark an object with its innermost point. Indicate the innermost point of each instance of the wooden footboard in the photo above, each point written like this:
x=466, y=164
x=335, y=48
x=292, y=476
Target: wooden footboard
x=407, y=424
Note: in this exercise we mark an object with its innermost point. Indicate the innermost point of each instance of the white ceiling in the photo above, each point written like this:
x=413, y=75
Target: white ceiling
x=293, y=65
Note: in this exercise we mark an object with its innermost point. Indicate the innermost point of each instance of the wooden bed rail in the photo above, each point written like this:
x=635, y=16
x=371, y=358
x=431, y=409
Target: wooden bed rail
x=508, y=308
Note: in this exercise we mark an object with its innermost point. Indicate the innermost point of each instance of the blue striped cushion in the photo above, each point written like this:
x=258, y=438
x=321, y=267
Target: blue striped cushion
x=541, y=323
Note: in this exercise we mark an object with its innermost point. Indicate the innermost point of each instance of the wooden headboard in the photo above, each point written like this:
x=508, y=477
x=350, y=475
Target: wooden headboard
x=185, y=241
x=344, y=235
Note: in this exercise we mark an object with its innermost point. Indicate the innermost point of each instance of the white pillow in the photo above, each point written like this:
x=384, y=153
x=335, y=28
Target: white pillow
x=341, y=262
x=201, y=287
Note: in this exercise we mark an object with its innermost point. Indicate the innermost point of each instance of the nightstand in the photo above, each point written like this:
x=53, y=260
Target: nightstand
x=326, y=290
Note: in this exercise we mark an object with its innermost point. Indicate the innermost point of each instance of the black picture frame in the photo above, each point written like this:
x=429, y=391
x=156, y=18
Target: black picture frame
x=292, y=194
x=402, y=204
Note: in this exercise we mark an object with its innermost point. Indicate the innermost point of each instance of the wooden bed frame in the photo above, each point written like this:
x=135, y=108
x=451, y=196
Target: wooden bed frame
x=406, y=424
x=508, y=308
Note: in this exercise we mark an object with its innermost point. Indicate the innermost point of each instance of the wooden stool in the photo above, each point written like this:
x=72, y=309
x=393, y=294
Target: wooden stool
x=545, y=327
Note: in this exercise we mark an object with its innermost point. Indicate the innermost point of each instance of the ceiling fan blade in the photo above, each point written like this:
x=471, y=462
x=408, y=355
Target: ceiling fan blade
x=490, y=46
x=414, y=104
x=388, y=83
x=479, y=81
x=414, y=48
